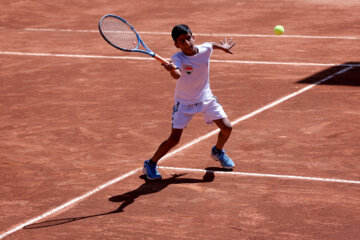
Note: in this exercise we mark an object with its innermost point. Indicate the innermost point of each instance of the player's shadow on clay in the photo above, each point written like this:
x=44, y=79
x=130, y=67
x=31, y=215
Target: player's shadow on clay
x=149, y=187
x=335, y=76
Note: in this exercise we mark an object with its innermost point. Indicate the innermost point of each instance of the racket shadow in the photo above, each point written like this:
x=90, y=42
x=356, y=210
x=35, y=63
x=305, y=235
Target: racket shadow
x=149, y=187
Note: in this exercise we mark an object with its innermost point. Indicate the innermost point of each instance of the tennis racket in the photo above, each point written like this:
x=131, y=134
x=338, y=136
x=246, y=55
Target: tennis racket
x=121, y=35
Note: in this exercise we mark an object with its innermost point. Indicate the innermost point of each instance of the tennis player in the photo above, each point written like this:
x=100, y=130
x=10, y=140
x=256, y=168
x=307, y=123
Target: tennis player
x=193, y=95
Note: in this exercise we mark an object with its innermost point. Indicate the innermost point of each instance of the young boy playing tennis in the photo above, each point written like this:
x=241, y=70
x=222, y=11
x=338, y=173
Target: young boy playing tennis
x=193, y=95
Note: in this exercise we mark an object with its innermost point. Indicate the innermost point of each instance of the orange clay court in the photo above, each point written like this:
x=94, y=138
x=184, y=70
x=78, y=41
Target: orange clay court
x=79, y=117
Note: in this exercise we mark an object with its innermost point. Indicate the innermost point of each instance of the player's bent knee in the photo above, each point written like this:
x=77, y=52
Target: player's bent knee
x=174, y=137
x=173, y=141
x=227, y=129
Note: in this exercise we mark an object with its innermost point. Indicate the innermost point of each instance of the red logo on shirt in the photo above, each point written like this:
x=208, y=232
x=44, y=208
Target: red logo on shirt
x=188, y=69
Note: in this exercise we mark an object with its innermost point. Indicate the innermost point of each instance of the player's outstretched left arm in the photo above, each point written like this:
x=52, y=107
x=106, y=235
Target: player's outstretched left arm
x=226, y=46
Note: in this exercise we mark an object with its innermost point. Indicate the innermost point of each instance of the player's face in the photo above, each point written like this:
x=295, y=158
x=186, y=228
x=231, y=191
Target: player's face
x=186, y=43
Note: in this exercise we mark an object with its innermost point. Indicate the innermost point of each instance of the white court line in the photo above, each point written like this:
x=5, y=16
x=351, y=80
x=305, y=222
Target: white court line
x=202, y=34
x=265, y=175
x=151, y=59
x=197, y=140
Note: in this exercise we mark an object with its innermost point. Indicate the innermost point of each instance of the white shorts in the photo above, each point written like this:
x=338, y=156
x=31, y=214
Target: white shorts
x=211, y=110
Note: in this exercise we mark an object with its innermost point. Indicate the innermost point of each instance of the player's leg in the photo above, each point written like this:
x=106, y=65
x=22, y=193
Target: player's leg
x=150, y=166
x=168, y=144
x=213, y=112
x=179, y=121
x=225, y=132
x=217, y=151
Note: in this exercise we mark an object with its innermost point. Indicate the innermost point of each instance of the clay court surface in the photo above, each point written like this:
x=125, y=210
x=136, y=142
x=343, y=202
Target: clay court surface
x=78, y=118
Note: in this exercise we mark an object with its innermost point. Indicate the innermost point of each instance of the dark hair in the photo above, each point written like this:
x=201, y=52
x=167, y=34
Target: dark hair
x=180, y=30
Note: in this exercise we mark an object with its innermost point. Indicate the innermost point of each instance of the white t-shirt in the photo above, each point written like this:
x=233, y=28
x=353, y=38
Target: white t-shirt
x=193, y=86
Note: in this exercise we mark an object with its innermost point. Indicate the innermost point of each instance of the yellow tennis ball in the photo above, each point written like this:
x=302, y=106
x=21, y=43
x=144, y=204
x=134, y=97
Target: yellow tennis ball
x=279, y=30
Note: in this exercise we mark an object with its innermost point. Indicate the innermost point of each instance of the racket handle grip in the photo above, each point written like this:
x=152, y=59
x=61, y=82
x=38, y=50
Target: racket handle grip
x=160, y=59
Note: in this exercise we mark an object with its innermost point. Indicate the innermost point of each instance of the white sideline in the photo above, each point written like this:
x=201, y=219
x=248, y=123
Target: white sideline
x=97, y=189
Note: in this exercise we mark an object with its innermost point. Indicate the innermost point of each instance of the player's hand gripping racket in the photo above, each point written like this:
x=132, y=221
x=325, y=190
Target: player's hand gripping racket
x=121, y=35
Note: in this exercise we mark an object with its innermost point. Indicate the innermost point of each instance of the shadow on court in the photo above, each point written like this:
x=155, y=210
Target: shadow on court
x=350, y=77
x=149, y=187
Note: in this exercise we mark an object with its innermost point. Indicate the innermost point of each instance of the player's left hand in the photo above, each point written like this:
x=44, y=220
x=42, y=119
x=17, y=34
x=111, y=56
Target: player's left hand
x=228, y=45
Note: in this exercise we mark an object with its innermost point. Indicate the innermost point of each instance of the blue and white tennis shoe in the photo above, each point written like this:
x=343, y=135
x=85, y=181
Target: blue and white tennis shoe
x=220, y=155
x=150, y=170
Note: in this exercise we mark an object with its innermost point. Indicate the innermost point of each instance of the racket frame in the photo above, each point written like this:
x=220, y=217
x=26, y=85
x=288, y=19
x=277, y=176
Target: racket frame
x=140, y=41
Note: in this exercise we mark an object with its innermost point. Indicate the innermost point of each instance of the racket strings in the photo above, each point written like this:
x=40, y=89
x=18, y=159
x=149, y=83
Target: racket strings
x=119, y=33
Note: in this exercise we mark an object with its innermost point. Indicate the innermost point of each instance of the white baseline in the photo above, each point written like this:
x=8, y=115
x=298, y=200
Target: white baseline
x=265, y=175
x=201, y=34
x=151, y=59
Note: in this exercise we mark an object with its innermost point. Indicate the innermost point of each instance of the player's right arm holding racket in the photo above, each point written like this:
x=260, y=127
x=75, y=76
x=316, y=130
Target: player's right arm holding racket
x=174, y=70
